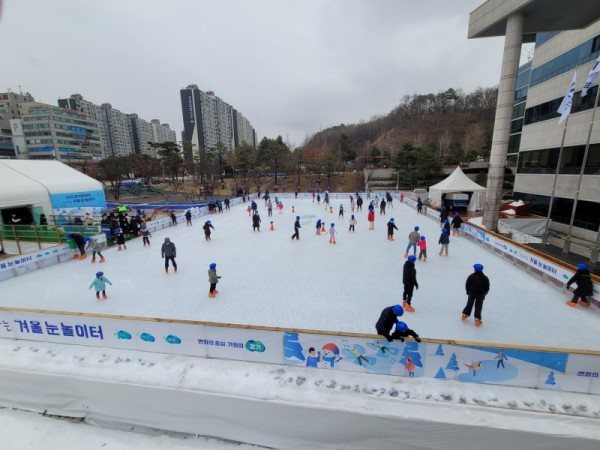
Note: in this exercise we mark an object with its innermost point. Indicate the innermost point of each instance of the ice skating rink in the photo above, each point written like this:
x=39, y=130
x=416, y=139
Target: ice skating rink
x=270, y=280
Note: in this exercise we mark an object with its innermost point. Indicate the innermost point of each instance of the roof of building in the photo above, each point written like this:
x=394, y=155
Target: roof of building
x=538, y=15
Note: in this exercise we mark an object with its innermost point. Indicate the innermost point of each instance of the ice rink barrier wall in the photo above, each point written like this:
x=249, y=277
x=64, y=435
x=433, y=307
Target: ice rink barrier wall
x=469, y=362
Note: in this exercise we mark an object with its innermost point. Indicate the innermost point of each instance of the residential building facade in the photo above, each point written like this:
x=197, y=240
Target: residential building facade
x=10, y=110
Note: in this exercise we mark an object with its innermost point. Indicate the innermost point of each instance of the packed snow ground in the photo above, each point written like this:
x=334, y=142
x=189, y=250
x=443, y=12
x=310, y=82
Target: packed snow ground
x=270, y=280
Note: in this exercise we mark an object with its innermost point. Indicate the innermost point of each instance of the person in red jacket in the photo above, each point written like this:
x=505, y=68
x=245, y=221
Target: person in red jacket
x=371, y=219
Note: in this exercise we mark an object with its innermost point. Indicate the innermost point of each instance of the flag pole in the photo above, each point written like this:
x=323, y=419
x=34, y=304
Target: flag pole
x=560, y=154
x=581, y=172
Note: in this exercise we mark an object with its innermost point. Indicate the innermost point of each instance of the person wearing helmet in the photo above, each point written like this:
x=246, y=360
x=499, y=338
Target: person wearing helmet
x=409, y=279
x=413, y=238
x=422, y=244
x=584, y=287
x=332, y=234
x=391, y=226
x=92, y=245
x=387, y=320
x=168, y=251
x=78, y=239
x=456, y=224
x=213, y=279
x=403, y=331
x=477, y=287
x=444, y=241
x=297, y=227
x=352, y=223
x=382, y=206
x=99, y=283
x=207, y=226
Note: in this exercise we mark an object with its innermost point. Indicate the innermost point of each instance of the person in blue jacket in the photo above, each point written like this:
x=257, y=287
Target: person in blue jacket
x=444, y=241
x=99, y=283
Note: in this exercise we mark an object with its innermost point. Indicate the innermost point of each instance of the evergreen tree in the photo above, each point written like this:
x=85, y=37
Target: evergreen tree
x=440, y=374
x=440, y=350
x=452, y=363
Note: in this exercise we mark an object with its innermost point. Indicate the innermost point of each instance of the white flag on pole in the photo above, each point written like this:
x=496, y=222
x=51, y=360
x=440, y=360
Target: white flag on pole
x=591, y=78
x=565, y=107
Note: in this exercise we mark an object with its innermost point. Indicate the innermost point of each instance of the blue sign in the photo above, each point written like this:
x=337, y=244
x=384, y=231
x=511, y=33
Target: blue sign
x=79, y=200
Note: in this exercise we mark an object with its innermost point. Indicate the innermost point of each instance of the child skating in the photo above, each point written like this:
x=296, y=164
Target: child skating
x=213, y=279
x=422, y=244
x=99, y=283
x=146, y=235
x=318, y=226
x=391, y=226
x=332, y=234
x=207, y=227
x=120, y=240
x=352, y=223
x=297, y=227
x=92, y=245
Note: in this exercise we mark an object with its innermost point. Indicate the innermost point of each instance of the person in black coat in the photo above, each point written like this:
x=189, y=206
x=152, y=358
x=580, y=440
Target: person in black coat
x=409, y=279
x=207, y=227
x=391, y=226
x=387, y=320
x=444, y=241
x=359, y=203
x=297, y=227
x=443, y=216
x=456, y=224
x=477, y=287
x=584, y=288
x=256, y=222
x=79, y=241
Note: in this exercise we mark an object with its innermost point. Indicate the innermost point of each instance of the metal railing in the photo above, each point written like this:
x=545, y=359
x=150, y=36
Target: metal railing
x=41, y=234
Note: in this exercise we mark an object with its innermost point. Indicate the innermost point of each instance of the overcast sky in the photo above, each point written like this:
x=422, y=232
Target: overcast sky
x=290, y=67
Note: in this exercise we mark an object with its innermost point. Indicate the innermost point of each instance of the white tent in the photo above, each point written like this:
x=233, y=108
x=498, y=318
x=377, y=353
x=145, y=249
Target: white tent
x=457, y=181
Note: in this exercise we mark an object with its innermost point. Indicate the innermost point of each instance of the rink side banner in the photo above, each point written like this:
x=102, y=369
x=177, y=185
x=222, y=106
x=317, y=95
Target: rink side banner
x=516, y=252
x=145, y=335
x=469, y=364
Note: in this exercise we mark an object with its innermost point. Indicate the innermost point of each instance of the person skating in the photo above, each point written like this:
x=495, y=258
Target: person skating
x=213, y=279
x=419, y=206
x=477, y=287
x=382, y=207
x=169, y=252
x=444, y=241
x=413, y=238
x=256, y=222
x=409, y=279
x=120, y=240
x=422, y=244
x=371, y=218
x=80, y=243
x=402, y=331
x=92, y=245
x=359, y=203
x=456, y=224
x=146, y=235
x=297, y=227
x=332, y=234
x=352, y=223
x=270, y=208
x=207, y=227
x=584, y=287
x=173, y=218
x=318, y=226
x=391, y=226
x=99, y=283
x=341, y=214
x=443, y=216
x=188, y=218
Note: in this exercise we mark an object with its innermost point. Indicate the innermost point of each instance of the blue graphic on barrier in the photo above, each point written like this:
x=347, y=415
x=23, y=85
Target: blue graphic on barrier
x=487, y=371
x=550, y=360
x=147, y=337
x=121, y=334
x=291, y=347
x=172, y=339
x=255, y=346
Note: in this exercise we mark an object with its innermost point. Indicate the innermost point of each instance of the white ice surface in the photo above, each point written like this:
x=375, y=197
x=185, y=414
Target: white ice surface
x=270, y=280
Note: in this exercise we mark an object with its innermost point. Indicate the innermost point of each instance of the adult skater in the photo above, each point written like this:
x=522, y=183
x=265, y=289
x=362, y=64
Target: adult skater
x=584, y=288
x=207, y=227
x=80, y=243
x=456, y=224
x=256, y=222
x=419, y=205
x=387, y=320
x=188, y=218
x=213, y=279
x=341, y=214
x=477, y=287
x=409, y=279
x=391, y=226
x=359, y=203
x=169, y=252
x=297, y=227
x=443, y=216
x=382, y=207
x=173, y=219
x=92, y=245
x=413, y=239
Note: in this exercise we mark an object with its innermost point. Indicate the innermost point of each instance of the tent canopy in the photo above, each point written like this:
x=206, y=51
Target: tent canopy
x=457, y=181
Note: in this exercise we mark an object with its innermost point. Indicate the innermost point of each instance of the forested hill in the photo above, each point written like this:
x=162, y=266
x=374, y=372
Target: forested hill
x=456, y=125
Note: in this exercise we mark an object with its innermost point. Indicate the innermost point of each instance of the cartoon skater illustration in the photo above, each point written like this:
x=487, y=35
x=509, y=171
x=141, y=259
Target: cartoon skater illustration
x=409, y=366
x=475, y=366
x=500, y=358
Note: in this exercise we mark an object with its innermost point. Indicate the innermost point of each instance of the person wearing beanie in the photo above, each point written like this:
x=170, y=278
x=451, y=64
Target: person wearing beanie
x=422, y=244
x=169, y=252
x=477, y=287
x=213, y=279
x=387, y=320
x=99, y=283
x=409, y=279
x=456, y=224
x=207, y=227
x=297, y=227
x=413, y=238
x=332, y=234
x=444, y=241
x=391, y=226
x=352, y=223
x=584, y=287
